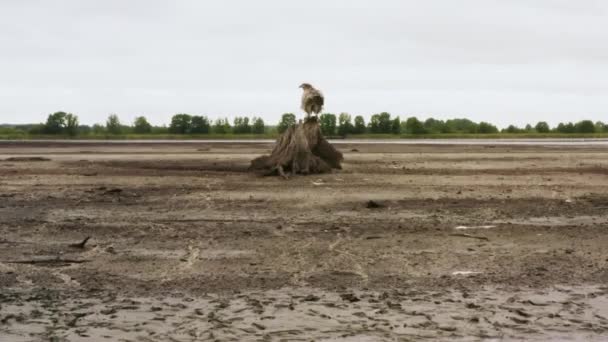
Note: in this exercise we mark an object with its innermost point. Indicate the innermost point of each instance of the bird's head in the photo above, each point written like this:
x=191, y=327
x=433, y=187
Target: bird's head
x=305, y=86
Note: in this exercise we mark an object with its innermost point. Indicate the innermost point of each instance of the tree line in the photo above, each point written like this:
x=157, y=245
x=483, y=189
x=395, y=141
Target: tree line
x=383, y=123
x=62, y=123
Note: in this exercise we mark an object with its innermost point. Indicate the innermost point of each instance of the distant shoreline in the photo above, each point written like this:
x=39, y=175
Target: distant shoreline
x=272, y=137
x=598, y=142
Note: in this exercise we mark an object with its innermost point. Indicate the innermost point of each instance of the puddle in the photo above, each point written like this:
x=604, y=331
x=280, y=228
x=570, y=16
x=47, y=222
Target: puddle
x=474, y=227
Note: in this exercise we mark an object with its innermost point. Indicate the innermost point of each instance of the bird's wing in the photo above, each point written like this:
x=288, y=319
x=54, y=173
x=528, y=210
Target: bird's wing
x=312, y=97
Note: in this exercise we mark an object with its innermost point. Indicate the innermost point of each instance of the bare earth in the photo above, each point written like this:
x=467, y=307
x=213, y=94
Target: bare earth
x=460, y=243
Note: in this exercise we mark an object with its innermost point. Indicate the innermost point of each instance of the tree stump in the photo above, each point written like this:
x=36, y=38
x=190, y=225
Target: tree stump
x=301, y=149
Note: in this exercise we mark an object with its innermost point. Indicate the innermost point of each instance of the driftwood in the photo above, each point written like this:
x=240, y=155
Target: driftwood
x=470, y=236
x=301, y=149
x=80, y=244
x=48, y=261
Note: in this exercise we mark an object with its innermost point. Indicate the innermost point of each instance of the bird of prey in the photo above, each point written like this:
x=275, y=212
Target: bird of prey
x=312, y=100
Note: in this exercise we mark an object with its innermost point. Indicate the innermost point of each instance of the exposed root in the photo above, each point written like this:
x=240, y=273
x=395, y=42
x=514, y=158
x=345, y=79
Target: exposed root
x=299, y=150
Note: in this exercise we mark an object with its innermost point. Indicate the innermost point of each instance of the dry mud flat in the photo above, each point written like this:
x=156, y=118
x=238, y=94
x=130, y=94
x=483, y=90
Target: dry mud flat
x=405, y=243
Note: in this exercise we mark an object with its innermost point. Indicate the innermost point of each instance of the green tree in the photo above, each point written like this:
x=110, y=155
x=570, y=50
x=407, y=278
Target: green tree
x=396, y=125
x=435, y=126
x=287, y=120
x=199, y=125
x=565, y=127
x=71, y=125
x=374, y=123
x=84, y=129
x=241, y=125
x=113, y=125
x=380, y=123
x=258, y=126
x=98, y=129
x=55, y=123
x=160, y=129
x=180, y=124
x=221, y=126
x=345, y=125
x=359, y=125
x=585, y=126
x=141, y=125
x=461, y=126
x=542, y=127
x=328, y=123
x=385, y=123
x=528, y=128
x=414, y=126
x=36, y=129
x=485, y=127
x=512, y=129
x=600, y=127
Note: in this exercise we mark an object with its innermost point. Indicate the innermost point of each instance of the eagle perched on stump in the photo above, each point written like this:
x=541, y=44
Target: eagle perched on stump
x=312, y=100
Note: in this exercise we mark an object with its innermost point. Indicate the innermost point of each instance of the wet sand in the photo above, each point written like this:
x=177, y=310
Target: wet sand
x=465, y=242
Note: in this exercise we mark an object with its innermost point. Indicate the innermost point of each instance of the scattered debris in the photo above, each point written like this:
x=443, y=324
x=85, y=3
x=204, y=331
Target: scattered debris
x=350, y=297
x=354, y=150
x=519, y=320
x=26, y=159
x=373, y=205
x=113, y=191
x=56, y=261
x=471, y=236
x=109, y=311
x=522, y=313
x=472, y=306
x=80, y=244
x=529, y=301
x=311, y=298
x=259, y=326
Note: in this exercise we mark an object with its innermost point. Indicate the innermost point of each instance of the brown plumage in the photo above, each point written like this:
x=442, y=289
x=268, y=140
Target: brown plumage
x=312, y=100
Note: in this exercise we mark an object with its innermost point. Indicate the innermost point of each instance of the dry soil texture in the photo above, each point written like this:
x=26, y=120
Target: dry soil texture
x=405, y=243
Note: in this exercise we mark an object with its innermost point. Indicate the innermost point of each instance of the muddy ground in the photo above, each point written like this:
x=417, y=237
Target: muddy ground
x=457, y=243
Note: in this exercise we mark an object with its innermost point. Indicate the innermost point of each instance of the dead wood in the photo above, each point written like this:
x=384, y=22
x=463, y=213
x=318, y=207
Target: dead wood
x=301, y=149
x=80, y=244
x=470, y=236
x=48, y=261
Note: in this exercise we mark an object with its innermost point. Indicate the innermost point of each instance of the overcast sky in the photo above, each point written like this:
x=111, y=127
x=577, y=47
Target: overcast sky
x=507, y=61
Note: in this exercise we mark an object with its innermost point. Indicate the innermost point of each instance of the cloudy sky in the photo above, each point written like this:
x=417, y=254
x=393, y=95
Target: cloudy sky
x=504, y=61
